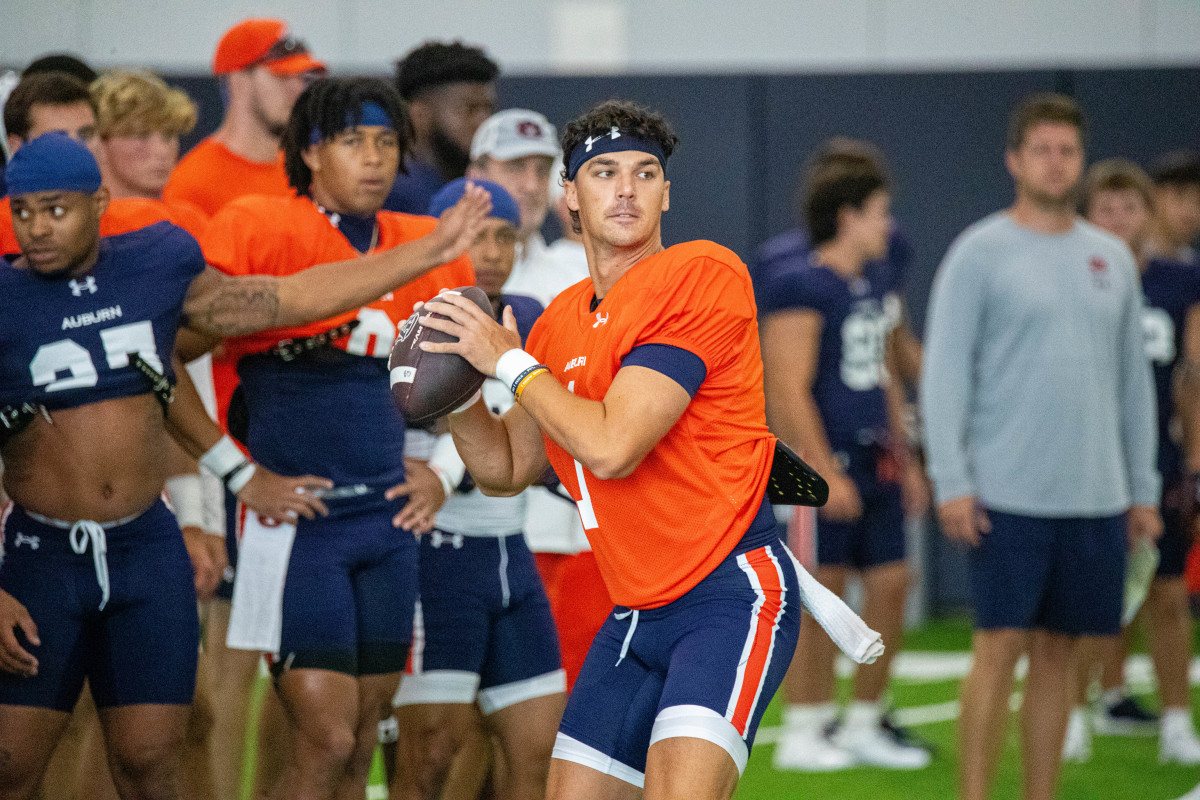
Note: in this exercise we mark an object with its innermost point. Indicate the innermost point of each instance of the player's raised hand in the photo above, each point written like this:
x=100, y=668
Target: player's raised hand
x=963, y=520
x=425, y=493
x=481, y=341
x=284, y=499
x=460, y=223
x=13, y=657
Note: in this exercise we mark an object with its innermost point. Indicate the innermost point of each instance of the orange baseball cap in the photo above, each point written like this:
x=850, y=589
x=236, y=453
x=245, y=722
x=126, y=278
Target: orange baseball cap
x=265, y=42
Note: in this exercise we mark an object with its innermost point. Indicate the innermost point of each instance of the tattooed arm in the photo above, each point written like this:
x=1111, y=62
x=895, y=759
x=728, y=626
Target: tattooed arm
x=220, y=305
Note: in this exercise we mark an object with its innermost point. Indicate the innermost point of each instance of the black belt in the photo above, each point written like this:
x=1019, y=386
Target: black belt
x=291, y=349
x=14, y=419
x=160, y=384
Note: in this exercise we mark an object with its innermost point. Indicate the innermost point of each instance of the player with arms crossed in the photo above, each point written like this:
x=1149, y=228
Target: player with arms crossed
x=652, y=414
x=95, y=582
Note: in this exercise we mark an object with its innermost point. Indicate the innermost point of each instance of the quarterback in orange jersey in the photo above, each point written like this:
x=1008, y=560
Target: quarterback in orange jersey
x=643, y=388
x=341, y=607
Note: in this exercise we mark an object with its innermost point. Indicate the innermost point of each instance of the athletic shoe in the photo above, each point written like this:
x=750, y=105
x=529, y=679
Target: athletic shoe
x=875, y=747
x=809, y=751
x=905, y=736
x=1077, y=745
x=1126, y=718
x=1178, y=744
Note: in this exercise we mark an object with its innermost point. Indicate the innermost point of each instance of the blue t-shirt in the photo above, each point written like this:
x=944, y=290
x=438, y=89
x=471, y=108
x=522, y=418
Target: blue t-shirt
x=790, y=250
x=857, y=316
x=1171, y=289
x=67, y=342
x=413, y=190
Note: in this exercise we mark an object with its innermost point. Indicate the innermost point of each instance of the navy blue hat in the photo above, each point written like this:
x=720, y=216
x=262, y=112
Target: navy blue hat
x=503, y=205
x=53, y=162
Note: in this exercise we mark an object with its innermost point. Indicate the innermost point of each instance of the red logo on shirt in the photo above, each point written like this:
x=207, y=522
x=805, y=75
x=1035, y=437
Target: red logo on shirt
x=1098, y=264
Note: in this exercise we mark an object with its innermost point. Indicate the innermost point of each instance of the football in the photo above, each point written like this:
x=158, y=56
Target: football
x=429, y=385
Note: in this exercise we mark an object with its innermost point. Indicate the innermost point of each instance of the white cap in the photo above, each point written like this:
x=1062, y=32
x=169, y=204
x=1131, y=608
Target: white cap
x=514, y=133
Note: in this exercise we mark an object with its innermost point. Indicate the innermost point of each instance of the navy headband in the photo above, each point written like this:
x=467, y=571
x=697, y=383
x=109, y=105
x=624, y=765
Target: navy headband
x=53, y=162
x=369, y=114
x=614, y=141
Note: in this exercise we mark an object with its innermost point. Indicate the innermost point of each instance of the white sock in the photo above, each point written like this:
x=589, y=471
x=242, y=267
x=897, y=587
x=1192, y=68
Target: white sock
x=808, y=716
x=1176, y=719
x=863, y=716
x=1111, y=697
x=1078, y=715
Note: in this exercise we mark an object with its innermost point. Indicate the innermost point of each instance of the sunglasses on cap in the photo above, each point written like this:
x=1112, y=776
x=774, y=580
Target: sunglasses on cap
x=284, y=48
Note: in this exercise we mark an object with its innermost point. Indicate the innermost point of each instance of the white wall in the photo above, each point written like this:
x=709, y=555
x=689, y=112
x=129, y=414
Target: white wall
x=548, y=36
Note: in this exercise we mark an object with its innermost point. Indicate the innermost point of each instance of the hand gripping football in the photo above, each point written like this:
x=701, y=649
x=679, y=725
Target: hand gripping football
x=429, y=385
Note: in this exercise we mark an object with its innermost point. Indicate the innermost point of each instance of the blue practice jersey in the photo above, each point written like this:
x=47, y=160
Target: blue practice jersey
x=67, y=342
x=790, y=250
x=857, y=316
x=1171, y=288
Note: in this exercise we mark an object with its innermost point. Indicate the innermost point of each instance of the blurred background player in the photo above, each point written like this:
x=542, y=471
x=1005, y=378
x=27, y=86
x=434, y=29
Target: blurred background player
x=518, y=149
x=487, y=634
x=831, y=394
x=262, y=69
x=1176, y=222
x=344, y=613
x=1119, y=197
x=1034, y=349
x=450, y=90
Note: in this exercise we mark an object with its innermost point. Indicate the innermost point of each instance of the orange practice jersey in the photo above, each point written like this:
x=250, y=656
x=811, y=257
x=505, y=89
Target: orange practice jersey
x=659, y=531
x=122, y=216
x=211, y=175
x=259, y=235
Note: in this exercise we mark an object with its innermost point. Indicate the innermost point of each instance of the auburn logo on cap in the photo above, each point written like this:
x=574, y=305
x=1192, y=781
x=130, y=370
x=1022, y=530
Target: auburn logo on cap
x=530, y=129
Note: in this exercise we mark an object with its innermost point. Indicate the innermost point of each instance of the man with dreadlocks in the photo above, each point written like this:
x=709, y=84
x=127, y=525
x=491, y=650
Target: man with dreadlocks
x=450, y=91
x=332, y=601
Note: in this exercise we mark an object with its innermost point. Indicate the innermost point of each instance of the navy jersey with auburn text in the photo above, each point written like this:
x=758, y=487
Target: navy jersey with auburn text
x=67, y=342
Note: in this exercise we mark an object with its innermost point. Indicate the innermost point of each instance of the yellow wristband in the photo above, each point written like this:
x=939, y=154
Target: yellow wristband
x=525, y=382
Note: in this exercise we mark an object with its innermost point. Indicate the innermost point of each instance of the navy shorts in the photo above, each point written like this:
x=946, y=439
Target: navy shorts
x=140, y=648
x=1065, y=575
x=875, y=538
x=703, y=666
x=349, y=593
x=483, y=628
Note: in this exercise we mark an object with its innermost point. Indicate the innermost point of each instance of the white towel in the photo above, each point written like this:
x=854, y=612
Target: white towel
x=256, y=619
x=848, y=631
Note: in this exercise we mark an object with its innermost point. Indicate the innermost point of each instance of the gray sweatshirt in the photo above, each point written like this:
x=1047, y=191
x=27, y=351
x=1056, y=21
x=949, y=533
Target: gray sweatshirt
x=1036, y=392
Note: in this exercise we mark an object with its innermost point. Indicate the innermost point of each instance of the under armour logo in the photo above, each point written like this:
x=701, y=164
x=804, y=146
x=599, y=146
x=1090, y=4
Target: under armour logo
x=77, y=288
x=615, y=133
x=601, y=319
x=32, y=541
x=437, y=539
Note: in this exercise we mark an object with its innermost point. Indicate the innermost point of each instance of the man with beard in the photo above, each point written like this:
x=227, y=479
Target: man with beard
x=262, y=70
x=450, y=90
x=1040, y=422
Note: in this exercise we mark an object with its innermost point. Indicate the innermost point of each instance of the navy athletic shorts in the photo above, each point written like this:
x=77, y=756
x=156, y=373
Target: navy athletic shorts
x=1065, y=575
x=703, y=666
x=877, y=537
x=141, y=647
x=483, y=628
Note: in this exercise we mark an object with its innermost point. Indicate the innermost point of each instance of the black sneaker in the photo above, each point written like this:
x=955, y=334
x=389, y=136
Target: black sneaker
x=905, y=736
x=1126, y=718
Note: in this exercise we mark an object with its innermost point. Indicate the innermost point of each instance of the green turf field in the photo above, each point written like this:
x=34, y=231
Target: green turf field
x=1120, y=768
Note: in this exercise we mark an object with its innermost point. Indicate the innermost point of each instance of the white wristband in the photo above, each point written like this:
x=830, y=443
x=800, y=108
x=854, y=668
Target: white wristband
x=214, y=504
x=223, y=458
x=186, y=494
x=239, y=479
x=447, y=463
x=510, y=366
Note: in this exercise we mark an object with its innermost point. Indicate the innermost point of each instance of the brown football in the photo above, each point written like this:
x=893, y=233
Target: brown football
x=429, y=385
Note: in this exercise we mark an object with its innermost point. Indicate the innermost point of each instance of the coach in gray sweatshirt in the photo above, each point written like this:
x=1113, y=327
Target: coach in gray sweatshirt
x=1041, y=433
